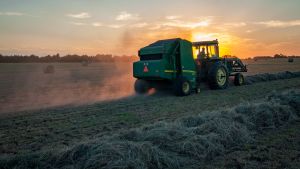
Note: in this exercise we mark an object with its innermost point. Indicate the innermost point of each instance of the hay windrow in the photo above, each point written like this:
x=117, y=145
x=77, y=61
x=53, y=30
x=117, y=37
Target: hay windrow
x=193, y=140
x=269, y=77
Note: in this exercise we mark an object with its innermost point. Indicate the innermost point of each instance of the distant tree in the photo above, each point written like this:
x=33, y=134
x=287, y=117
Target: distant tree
x=262, y=57
x=229, y=56
x=280, y=56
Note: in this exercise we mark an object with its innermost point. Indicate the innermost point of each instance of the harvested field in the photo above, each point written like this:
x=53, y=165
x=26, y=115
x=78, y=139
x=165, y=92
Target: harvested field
x=186, y=143
x=84, y=129
x=36, y=85
x=271, y=66
x=27, y=87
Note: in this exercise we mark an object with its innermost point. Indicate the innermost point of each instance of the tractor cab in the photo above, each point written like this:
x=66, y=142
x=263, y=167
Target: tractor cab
x=207, y=53
x=207, y=49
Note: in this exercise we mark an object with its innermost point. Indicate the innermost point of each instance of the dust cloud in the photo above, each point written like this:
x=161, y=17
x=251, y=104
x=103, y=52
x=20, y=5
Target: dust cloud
x=70, y=84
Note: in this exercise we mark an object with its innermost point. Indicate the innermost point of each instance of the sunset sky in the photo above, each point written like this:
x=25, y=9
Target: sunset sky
x=244, y=27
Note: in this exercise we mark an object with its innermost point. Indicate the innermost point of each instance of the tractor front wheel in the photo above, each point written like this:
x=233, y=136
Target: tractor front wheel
x=182, y=87
x=239, y=79
x=141, y=86
x=218, y=76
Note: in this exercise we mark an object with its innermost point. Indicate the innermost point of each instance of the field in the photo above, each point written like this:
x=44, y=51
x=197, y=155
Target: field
x=27, y=87
x=88, y=117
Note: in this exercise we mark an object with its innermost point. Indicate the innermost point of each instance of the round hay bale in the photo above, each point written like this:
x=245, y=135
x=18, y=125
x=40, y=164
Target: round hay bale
x=49, y=69
x=85, y=63
x=291, y=60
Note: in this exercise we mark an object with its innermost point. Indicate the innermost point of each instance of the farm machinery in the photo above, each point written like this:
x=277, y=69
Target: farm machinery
x=183, y=65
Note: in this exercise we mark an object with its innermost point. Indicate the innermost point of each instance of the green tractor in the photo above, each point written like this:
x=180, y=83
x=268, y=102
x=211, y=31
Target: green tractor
x=171, y=63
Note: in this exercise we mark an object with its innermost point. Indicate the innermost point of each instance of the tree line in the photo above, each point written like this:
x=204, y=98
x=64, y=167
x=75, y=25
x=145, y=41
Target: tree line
x=66, y=58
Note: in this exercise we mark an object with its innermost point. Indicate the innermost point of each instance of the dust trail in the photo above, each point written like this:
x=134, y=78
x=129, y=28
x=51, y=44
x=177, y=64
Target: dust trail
x=69, y=84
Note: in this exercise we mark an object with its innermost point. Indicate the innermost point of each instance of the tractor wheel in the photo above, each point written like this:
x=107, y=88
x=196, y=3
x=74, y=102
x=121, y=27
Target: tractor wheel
x=141, y=86
x=182, y=87
x=239, y=79
x=218, y=76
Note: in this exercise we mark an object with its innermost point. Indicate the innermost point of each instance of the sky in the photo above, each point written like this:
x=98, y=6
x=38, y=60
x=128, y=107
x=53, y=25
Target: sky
x=244, y=28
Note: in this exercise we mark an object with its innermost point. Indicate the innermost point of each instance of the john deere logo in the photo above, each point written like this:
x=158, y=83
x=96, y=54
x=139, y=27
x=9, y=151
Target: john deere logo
x=146, y=69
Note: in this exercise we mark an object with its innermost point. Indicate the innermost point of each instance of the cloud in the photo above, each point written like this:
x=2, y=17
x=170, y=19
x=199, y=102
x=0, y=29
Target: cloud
x=279, y=24
x=125, y=16
x=115, y=26
x=236, y=24
x=139, y=25
x=97, y=24
x=173, y=17
x=189, y=25
x=12, y=13
x=82, y=15
x=78, y=23
x=156, y=27
x=249, y=31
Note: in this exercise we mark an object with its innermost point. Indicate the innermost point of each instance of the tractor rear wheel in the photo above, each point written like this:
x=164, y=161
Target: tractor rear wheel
x=182, y=87
x=141, y=86
x=218, y=76
x=239, y=79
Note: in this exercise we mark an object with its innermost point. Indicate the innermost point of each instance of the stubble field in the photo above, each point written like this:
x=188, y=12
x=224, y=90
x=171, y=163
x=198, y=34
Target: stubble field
x=44, y=115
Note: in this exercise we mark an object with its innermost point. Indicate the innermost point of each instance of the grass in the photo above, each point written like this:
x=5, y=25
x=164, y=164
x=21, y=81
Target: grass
x=191, y=140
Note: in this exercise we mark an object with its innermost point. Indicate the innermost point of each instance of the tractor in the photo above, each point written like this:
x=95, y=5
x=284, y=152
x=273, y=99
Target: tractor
x=183, y=65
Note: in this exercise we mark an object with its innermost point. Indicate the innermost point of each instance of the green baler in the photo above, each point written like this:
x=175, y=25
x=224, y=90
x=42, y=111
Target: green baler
x=171, y=63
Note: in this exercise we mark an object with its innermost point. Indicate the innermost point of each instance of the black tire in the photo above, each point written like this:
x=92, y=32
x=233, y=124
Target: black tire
x=239, y=79
x=141, y=86
x=218, y=76
x=182, y=87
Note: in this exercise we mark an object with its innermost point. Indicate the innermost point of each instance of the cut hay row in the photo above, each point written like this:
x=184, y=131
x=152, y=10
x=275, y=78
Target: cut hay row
x=187, y=142
x=269, y=77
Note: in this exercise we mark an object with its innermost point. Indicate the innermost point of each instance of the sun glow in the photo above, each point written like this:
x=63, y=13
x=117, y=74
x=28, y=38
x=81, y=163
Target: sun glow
x=201, y=37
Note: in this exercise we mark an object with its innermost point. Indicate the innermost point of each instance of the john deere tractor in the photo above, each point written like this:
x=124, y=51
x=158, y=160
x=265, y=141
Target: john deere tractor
x=183, y=65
